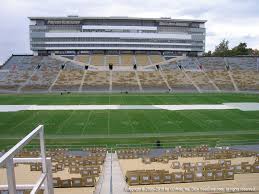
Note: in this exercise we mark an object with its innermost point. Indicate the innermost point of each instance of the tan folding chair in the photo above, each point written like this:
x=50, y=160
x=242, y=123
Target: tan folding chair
x=33, y=167
x=256, y=167
x=176, y=165
x=95, y=172
x=66, y=163
x=229, y=174
x=177, y=177
x=77, y=182
x=188, y=177
x=54, y=169
x=89, y=181
x=144, y=178
x=39, y=167
x=231, y=167
x=227, y=162
x=85, y=172
x=209, y=175
x=73, y=170
x=146, y=160
x=167, y=178
x=60, y=167
x=65, y=183
x=56, y=182
x=238, y=169
x=186, y=166
x=97, y=168
x=199, y=176
x=132, y=178
x=219, y=175
x=156, y=178
x=247, y=168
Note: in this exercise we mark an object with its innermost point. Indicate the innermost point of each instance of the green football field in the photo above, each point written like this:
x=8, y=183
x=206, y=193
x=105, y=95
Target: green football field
x=188, y=127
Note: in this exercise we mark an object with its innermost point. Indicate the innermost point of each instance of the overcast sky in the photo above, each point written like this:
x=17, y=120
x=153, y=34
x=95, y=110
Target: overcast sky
x=235, y=20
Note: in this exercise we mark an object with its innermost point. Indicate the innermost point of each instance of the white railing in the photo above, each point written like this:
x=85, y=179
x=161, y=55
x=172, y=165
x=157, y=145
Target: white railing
x=45, y=180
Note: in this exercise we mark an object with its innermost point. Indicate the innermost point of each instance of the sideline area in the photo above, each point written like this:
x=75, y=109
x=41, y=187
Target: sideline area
x=224, y=106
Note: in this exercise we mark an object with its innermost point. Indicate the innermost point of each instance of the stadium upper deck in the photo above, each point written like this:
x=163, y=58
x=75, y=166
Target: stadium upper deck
x=80, y=35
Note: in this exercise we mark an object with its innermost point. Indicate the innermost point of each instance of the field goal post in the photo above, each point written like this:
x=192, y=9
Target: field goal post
x=9, y=160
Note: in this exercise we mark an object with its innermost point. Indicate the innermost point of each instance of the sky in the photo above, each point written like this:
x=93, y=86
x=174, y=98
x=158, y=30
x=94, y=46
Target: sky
x=234, y=20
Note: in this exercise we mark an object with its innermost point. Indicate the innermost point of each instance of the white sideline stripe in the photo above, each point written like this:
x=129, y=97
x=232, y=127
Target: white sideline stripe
x=249, y=106
x=194, y=107
x=240, y=106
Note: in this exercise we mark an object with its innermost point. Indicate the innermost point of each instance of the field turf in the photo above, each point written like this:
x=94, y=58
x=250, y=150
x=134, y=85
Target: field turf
x=132, y=126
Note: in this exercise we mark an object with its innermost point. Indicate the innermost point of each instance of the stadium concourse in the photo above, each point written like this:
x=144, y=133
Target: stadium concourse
x=130, y=73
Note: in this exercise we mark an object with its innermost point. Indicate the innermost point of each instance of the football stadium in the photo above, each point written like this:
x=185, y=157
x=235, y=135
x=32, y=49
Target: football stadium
x=127, y=105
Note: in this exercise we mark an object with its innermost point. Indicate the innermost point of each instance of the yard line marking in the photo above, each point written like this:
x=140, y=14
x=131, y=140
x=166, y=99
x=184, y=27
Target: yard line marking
x=88, y=118
x=63, y=123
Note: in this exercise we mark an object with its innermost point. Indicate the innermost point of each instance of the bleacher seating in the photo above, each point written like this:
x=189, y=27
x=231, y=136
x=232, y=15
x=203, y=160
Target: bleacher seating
x=124, y=81
x=68, y=80
x=221, y=79
x=201, y=80
x=178, y=81
x=156, y=58
x=142, y=59
x=37, y=73
x=127, y=59
x=246, y=80
x=170, y=66
x=22, y=63
x=242, y=63
x=44, y=76
x=96, y=81
x=188, y=64
x=73, y=66
x=82, y=58
x=212, y=63
x=112, y=59
x=14, y=79
x=151, y=81
x=97, y=59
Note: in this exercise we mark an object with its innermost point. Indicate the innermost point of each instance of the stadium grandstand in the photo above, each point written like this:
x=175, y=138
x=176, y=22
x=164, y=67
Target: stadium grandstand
x=121, y=54
x=117, y=73
x=124, y=105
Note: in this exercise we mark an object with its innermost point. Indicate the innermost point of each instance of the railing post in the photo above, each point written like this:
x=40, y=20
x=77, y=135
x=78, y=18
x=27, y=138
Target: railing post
x=7, y=159
x=10, y=176
x=49, y=176
x=43, y=156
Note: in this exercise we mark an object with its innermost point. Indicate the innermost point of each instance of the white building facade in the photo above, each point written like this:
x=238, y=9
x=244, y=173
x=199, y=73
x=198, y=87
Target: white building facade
x=81, y=35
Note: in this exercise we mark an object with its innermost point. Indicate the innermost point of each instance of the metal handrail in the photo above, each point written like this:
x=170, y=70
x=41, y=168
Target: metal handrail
x=9, y=160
